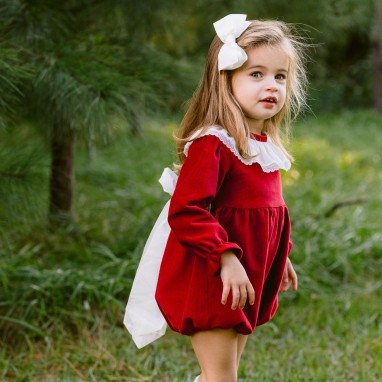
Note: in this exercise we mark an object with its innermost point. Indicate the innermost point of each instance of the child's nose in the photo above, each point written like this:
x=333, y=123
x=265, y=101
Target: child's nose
x=271, y=84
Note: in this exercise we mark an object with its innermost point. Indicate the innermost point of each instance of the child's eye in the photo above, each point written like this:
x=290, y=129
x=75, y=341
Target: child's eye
x=280, y=77
x=256, y=74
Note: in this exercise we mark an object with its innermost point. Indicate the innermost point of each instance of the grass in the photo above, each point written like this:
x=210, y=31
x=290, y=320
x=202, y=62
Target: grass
x=63, y=294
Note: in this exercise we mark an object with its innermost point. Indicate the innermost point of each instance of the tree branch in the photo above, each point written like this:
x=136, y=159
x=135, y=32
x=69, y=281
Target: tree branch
x=344, y=203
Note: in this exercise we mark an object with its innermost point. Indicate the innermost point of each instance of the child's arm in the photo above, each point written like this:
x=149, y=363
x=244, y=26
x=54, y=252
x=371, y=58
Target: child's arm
x=191, y=222
x=235, y=279
x=289, y=277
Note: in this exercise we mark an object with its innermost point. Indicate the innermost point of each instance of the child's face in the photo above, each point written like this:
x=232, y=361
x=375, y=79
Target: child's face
x=259, y=86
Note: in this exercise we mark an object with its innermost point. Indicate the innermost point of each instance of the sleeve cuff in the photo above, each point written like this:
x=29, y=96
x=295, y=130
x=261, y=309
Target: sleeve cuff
x=214, y=264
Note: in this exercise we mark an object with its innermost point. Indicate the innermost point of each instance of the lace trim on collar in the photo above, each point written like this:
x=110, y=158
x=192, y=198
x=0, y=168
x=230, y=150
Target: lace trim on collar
x=268, y=155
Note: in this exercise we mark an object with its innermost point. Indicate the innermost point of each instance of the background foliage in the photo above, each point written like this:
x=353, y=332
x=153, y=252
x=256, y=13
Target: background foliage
x=117, y=74
x=84, y=69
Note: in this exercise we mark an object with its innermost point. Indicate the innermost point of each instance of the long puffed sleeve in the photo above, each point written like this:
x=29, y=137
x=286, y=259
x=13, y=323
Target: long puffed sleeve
x=200, y=178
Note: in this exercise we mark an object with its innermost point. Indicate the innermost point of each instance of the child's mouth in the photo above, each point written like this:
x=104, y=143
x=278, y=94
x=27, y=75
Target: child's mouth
x=269, y=100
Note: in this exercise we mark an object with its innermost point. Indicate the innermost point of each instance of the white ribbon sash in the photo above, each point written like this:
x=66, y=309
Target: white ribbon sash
x=143, y=319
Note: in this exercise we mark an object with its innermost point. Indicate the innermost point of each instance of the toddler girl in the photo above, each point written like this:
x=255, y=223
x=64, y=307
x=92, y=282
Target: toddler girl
x=226, y=257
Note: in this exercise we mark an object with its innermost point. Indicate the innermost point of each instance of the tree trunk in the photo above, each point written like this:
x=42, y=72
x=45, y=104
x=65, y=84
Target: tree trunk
x=377, y=56
x=62, y=177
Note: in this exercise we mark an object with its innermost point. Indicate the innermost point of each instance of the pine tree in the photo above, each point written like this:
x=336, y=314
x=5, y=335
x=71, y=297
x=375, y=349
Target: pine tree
x=86, y=62
x=377, y=55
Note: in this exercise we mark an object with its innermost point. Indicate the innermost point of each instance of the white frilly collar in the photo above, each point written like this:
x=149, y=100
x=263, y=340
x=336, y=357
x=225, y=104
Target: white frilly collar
x=268, y=155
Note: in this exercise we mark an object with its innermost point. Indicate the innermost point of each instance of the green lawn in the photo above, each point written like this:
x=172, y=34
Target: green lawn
x=62, y=295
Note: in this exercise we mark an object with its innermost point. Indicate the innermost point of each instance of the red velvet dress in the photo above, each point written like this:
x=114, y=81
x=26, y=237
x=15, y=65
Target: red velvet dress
x=219, y=204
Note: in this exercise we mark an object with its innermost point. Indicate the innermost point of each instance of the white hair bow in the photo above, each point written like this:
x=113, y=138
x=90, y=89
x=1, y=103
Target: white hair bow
x=229, y=28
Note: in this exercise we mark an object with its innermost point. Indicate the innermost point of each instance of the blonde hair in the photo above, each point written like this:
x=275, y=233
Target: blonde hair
x=213, y=102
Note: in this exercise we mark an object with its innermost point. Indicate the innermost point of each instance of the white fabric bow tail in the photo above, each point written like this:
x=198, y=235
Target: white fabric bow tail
x=143, y=319
x=229, y=28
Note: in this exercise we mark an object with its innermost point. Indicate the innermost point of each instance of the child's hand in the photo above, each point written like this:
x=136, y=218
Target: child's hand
x=235, y=279
x=289, y=277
